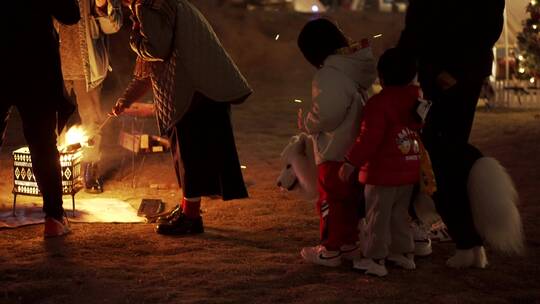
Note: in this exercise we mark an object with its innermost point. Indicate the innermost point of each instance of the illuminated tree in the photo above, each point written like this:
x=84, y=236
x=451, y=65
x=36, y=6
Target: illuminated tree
x=529, y=44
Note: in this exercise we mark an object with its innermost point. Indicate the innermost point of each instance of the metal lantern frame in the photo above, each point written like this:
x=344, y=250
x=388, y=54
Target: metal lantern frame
x=24, y=180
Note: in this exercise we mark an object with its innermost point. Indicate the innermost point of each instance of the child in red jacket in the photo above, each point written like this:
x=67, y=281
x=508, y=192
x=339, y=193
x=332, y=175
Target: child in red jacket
x=387, y=152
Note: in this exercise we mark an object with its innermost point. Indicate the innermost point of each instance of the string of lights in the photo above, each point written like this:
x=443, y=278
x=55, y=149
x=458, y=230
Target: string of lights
x=528, y=59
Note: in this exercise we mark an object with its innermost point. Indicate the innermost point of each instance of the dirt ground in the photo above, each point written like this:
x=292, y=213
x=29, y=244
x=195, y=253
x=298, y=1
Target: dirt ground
x=250, y=250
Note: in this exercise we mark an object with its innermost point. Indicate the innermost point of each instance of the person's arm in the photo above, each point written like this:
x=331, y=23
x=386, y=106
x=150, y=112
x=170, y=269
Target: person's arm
x=368, y=67
x=136, y=89
x=331, y=101
x=420, y=38
x=486, y=26
x=65, y=11
x=372, y=129
x=411, y=36
x=108, y=14
x=153, y=41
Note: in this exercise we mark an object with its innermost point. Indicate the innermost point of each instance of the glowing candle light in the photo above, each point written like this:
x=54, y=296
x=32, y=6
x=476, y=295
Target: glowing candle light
x=315, y=8
x=298, y=101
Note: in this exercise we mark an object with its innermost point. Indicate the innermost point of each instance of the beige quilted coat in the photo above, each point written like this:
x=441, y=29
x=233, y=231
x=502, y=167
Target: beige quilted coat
x=190, y=55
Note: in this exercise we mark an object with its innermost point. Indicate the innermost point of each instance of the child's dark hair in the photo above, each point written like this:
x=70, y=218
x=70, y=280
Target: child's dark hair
x=396, y=67
x=319, y=39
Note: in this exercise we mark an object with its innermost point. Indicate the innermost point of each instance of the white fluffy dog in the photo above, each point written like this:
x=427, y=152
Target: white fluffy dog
x=491, y=191
x=493, y=200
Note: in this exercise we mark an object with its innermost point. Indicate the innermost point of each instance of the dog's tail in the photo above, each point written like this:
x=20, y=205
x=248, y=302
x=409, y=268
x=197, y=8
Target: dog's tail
x=493, y=202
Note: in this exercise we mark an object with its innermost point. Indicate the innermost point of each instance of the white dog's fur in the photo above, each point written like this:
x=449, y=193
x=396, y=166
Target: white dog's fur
x=493, y=200
x=492, y=195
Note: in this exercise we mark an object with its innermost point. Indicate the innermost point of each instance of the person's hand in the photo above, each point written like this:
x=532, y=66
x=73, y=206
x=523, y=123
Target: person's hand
x=119, y=107
x=445, y=81
x=300, y=120
x=135, y=24
x=101, y=3
x=346, y=171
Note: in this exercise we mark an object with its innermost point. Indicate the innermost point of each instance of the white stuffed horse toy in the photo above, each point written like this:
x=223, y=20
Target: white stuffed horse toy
x=300, y=171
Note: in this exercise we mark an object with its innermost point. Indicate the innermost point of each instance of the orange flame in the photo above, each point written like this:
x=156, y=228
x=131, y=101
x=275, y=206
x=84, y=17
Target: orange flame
x=74, y=135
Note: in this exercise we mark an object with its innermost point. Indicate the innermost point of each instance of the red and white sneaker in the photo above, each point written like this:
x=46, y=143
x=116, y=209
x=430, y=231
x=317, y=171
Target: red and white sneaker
x=54, y=227
x=320, y=256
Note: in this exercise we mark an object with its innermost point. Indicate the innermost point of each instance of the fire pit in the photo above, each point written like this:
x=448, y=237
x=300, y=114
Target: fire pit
x=24, y=181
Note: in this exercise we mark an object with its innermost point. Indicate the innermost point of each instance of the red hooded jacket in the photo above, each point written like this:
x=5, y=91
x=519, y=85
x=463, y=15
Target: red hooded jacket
x=387, y=150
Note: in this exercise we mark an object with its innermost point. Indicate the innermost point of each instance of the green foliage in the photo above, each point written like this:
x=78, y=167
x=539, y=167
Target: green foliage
x=529, y=43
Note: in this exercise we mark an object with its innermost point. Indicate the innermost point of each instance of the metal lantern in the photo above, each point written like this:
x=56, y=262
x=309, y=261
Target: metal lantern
x=24, y=180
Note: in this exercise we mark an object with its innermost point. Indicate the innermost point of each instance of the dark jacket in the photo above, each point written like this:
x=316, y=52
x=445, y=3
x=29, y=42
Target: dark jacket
x=387, y=150
x=456, y=36
x=174, y=34
x=31, y=74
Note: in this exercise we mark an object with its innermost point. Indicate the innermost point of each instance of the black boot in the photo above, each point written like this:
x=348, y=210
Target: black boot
x=181, y=225
x=92, y=180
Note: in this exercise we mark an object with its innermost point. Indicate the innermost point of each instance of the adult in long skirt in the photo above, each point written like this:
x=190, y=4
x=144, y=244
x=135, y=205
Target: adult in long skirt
x=194, y=82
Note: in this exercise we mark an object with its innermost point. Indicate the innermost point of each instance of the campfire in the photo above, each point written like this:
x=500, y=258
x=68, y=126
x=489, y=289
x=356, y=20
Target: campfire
x=71, y=151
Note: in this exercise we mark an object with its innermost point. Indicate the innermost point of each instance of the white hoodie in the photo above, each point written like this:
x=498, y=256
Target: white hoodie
x=338, y=95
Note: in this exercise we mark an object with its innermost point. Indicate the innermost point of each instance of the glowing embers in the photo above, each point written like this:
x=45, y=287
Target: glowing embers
x=75, y=138
x=24, y=180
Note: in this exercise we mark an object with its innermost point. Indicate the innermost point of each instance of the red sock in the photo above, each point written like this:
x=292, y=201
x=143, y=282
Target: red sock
x=191, y=209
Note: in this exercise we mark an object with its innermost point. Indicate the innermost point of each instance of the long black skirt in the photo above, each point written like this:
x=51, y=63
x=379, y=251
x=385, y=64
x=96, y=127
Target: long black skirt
x=204, y=151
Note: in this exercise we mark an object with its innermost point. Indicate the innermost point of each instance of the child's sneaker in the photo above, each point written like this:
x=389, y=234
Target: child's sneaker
x=405, y=261
x=439, y=233
x=320, y=256
x=350, y=252
x=54, y=227
x=422, y=240
x=371, y=266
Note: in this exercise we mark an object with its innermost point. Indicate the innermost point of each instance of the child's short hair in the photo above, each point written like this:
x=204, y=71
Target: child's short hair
x=396, y=67
x=319, y=39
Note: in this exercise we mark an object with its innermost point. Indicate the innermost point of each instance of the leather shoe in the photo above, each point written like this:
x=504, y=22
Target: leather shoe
x=169, y=216
x=181, y=225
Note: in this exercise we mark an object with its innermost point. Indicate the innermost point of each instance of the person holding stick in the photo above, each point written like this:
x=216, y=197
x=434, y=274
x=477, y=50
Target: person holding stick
x=194, y=82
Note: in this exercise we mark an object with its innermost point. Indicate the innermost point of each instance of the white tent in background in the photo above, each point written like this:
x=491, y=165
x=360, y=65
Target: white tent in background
x=516, y=13
x=308, y=6
x=512, y=91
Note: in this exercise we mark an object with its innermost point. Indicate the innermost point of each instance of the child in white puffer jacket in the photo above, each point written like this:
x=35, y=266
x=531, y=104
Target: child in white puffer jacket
x=346, y=70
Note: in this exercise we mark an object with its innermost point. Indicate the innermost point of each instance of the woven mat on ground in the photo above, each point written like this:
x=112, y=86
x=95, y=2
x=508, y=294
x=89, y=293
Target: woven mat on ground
x=94, y=210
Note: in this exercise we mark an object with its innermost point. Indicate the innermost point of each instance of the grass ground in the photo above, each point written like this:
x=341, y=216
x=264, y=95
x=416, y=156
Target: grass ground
x=250, y=251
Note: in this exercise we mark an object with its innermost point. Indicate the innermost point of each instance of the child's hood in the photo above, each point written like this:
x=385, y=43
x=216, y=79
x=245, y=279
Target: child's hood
x=358, y=66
